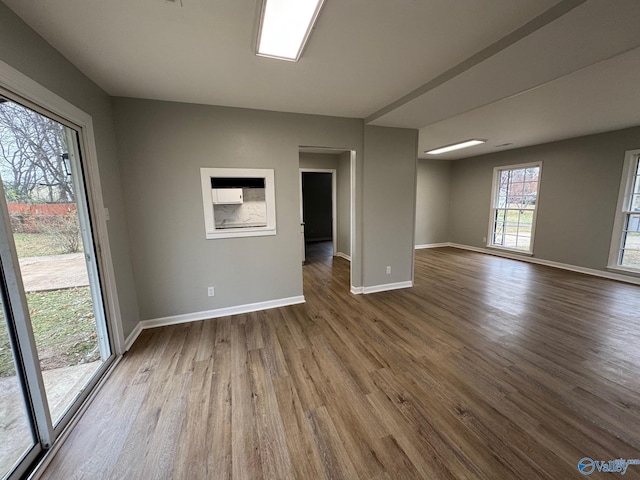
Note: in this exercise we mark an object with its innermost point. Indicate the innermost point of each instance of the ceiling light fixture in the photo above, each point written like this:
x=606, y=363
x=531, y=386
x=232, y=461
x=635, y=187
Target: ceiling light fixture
x=285, y=26
x=455, y=146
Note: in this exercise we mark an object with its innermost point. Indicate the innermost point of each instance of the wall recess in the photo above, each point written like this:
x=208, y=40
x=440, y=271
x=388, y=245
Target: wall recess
x=238, y=202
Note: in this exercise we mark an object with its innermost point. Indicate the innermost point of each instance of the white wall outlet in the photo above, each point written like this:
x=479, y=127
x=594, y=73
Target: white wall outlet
x=484, y=239
x=388, y=269
x=211, y=292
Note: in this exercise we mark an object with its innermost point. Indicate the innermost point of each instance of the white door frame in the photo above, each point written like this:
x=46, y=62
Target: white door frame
x=352, y=216
x=35, y=96
x=353, y=244
x=334, y=207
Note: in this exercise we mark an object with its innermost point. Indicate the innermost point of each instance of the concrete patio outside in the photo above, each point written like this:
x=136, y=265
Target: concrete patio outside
x=41, y=274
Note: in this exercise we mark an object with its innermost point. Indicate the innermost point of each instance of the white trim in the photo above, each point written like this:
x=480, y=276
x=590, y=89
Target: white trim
x=220, y=312
x=343, y=255
x=432, y=245
x=133, y=336
x=629, y=271
x=414, y=217
x=622, y=209
x=357, y=290
x=387, y=286
x=357, y=254
x=549, y=263
x=18, y=83
x=515, y=251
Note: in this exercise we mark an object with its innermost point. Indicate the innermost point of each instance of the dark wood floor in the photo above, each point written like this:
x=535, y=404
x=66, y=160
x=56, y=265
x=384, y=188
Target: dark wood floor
x=487, y=369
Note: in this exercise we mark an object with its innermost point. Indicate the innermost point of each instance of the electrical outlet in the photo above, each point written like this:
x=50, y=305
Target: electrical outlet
x=211, y=292
x=388, y=269
x=484, y=239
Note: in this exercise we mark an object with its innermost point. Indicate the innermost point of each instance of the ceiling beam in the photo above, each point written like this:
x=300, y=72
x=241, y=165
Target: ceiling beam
x=545, y=18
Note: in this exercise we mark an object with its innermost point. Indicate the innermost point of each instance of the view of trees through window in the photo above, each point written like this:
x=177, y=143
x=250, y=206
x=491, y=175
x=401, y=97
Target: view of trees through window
x=514, y=205
x=630, y=251
x=32, y=157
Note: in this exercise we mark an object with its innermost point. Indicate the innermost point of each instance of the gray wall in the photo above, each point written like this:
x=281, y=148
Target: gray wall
x=319, y=160
x=342, y=164
x=433, y=192
x=578, y=196
x=343, y=185
x=162, y=147
x=390, y=202
x=29, y=53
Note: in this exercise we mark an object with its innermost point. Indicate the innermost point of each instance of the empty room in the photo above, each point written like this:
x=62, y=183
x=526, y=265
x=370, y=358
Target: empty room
x=319, y=239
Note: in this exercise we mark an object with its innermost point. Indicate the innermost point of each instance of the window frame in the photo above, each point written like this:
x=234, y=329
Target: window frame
x=623, y=210
x=493, y=206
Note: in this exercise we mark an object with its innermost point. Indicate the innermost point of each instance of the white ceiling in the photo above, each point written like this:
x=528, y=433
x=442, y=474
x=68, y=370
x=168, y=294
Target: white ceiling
x=520, y=72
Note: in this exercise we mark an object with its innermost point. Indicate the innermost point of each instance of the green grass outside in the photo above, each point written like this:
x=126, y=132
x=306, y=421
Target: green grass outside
x=631, y=259
x=64, y=329
x=36, y=245
x=513, y=230
x=510, y=225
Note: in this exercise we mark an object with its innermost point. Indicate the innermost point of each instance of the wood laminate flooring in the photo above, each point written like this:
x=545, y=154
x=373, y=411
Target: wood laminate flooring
x=487, y=369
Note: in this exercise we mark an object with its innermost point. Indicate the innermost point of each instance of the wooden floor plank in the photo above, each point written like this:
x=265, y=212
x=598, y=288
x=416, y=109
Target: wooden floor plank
x=304, y=456
x=486, y=369
x=246, y=458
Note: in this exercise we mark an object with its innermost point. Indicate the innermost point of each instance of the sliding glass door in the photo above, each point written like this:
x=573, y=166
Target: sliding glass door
x=17, y=436
x=54, y=341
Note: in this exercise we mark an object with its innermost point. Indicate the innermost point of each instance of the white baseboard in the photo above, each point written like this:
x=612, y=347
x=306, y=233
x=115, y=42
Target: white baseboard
x=220, y=312
x=343, y=255
x=132, y=337
x=432, y=245
x=253, y=307
x=550, y=263
x=387, y=286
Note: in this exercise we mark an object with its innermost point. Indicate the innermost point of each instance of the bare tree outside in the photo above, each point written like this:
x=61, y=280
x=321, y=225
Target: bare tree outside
x=31, y=157
x=36, y=175
x=514, y=207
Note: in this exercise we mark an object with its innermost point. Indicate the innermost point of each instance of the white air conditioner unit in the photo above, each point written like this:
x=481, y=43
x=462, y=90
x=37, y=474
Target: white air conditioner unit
x=226, y=196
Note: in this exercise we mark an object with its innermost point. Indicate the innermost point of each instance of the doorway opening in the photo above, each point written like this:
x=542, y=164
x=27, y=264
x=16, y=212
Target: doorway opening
x=319, y=215
x=327, y=198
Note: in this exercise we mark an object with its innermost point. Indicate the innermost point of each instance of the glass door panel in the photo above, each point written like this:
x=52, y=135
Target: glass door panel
x=16, y=433
x=42, y=181
x=55, y=317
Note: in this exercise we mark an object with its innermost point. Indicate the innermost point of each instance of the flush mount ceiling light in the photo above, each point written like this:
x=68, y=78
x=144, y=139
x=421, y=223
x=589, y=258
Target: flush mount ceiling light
x=285, y=26
x=455, y=146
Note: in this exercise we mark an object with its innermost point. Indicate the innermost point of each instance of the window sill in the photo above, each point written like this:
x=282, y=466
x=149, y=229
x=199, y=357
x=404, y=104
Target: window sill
x=511, y=250
x=626, y=270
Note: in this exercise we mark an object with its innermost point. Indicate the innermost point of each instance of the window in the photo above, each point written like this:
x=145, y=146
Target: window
x=625, y=243
x=513, y=207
